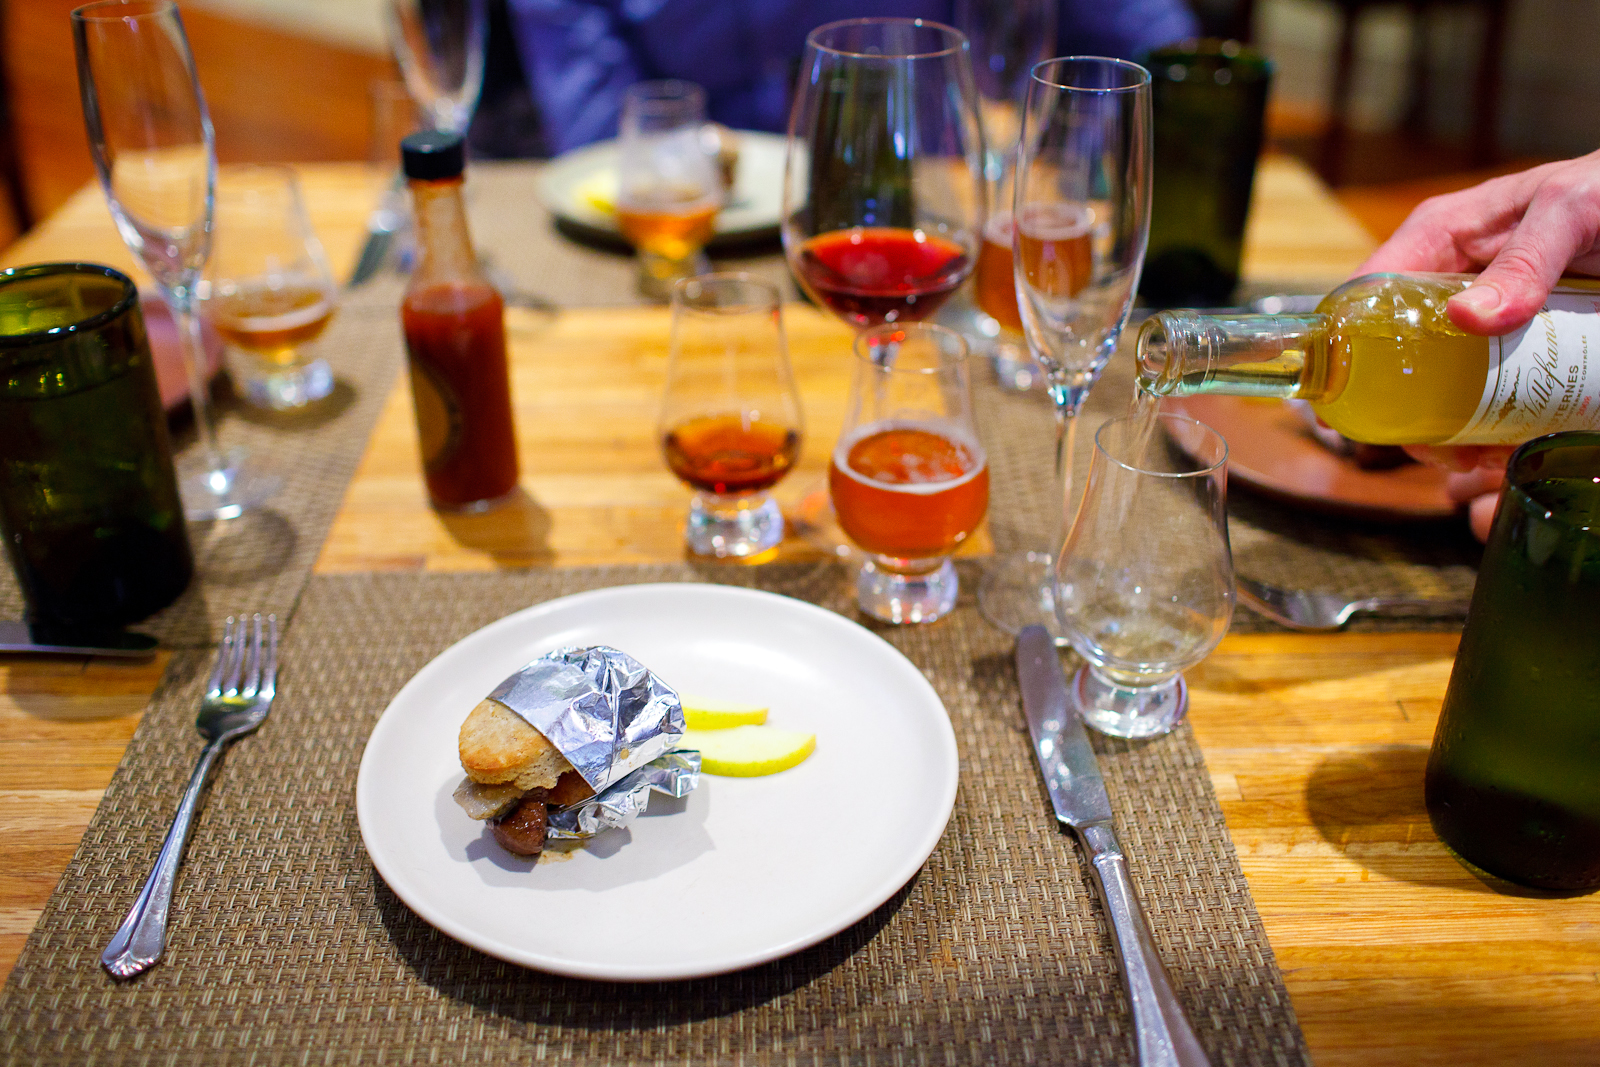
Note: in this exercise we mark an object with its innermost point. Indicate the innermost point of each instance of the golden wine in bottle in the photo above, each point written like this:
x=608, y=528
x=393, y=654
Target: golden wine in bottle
x=1381, y=362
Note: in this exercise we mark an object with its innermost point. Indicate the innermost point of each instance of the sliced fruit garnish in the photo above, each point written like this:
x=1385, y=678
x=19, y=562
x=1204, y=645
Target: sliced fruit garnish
x=749, y=751
x=720, y=715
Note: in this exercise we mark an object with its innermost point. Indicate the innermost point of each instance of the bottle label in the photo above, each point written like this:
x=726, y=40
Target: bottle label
x=1544, y=377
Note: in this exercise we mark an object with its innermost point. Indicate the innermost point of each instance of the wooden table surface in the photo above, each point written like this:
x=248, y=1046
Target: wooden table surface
x=1392, y=952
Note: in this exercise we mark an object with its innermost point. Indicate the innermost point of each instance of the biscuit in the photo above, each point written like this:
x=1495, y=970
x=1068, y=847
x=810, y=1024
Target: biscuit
x=497, y=745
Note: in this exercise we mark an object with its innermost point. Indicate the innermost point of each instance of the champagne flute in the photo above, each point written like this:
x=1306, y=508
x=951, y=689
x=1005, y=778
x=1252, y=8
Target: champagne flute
x=1082, y=211
x=1141, y=609
x=152, y=143
x=439, y=45
x=884, y=199
x=267, y=288
x=1009, y=37
x=730, y=419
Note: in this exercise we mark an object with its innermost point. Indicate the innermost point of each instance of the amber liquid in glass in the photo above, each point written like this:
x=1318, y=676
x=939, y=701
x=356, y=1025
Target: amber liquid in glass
x=994, y=285
x=271, y=323
x=909, y=490
x=673, y=226
x=730, y=455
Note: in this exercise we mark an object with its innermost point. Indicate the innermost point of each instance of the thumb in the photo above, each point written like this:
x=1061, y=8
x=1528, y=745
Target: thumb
x=1562, y=222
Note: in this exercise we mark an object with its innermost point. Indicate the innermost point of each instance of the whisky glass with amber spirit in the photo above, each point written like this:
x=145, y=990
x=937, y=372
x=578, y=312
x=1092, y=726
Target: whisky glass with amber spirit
x=730, y=420
x=669, y=186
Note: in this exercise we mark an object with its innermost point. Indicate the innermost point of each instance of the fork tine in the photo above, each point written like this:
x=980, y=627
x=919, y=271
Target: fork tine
x=269, y=668
x=214, y=685
x=252, y=672
x=230, y=681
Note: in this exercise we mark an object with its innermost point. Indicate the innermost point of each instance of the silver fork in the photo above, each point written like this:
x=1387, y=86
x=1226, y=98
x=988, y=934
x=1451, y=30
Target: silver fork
x=238, y=697
x=1324, y=612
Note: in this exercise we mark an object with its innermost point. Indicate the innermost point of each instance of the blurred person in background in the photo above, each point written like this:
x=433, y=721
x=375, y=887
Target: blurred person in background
x=581, y=55
x=1523, y=232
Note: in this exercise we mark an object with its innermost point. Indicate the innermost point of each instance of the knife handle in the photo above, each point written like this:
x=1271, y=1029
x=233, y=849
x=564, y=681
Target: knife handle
x=1164, y=1036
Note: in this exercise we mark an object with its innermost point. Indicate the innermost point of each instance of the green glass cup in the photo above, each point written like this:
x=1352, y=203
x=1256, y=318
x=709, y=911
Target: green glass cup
x=1513, y=779
x=88, y=500
x=1208, y=104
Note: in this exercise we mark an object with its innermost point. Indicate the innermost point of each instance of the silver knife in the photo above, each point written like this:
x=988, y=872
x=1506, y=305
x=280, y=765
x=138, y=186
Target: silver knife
x=382, y=225
x=1078, y=793
x=20, y=637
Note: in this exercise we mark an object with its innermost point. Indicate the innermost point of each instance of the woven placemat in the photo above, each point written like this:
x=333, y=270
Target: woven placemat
x=260, y=561
x=286, y=947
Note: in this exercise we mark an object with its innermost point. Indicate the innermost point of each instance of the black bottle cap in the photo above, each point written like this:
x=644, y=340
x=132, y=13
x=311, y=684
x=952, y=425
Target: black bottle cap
x=433, y=155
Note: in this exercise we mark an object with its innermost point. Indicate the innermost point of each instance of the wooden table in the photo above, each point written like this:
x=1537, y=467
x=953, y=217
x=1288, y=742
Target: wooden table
x=1393, y=953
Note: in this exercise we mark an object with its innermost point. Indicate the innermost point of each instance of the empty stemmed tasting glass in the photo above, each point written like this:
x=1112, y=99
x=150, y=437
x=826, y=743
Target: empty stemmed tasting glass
x=669, y=186
x=909, y=480
x=1145, y=579
x=267, y=288
x=1009, y=37
x=152, y=143
x=439, y=45
x=730, y=420
x=1082, y=212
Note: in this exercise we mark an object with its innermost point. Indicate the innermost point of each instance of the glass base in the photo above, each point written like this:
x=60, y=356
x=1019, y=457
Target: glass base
x=1015, y=369
x=906, y=598
x=733, y=527
x=282, y=388
x=1018, y=590
x=658, y=274
x=1119, y=711
x=228, y=492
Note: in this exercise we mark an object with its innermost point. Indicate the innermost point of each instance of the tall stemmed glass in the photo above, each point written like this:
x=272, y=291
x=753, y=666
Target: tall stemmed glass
x=1082, y=212
x=151, y=139
x=883, y=200
x=440, y=47
x=883, y=194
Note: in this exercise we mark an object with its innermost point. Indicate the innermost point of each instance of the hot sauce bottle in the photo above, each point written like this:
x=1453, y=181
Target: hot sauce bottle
x=454, y=323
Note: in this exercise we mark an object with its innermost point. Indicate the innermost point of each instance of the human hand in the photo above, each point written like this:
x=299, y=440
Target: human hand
x=1523, y=231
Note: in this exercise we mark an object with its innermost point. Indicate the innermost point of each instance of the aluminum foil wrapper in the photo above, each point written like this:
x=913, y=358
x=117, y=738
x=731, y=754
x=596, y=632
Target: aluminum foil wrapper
x=675, y=774
x=613, y=720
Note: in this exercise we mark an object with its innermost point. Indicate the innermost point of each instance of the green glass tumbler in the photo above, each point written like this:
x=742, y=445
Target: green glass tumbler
x=1513, y=779
x=1208, y=102
x=88, y=499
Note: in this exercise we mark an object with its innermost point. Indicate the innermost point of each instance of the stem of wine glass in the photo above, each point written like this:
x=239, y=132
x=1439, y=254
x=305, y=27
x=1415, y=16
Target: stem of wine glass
x=1066, y=398
x=195, y=365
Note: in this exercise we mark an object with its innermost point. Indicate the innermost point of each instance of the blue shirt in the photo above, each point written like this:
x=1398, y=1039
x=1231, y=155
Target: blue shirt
x=581, y=55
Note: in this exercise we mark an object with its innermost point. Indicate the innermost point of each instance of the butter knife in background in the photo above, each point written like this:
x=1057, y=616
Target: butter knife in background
x=387, y=219
x=1078, y=794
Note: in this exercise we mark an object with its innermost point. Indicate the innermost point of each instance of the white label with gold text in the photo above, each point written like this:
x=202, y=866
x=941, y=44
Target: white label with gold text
x=1544, y=377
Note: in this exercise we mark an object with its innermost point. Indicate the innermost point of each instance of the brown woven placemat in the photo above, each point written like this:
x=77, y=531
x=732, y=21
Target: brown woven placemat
x=260, y=561
x=286, y=947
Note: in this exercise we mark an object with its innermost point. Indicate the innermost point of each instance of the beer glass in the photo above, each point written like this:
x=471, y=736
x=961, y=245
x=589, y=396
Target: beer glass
x=1144, y=582
x=909, y=479
x=1082, y=216
x=669, y=186
x=1513, y=779
x=89, y=502
x=267, y=288
x=730, y=420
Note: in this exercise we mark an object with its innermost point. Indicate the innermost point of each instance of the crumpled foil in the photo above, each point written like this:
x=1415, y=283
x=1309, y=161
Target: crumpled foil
x=675, y=774
x=614, y=721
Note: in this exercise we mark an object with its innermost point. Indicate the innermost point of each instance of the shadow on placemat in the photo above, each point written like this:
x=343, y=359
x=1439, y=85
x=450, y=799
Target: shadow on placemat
x=286, y=947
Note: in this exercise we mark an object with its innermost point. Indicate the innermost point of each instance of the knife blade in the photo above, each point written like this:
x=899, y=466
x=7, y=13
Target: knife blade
x=384, y=222
x=1078, y=795
x=19, y=637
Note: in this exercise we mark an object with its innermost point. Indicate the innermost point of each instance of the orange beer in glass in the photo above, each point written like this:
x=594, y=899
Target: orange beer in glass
x=909, y=478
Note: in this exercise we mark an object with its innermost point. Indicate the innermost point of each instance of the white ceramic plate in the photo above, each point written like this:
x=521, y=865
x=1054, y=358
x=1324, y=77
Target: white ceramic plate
x=580, y=186
x=743, y=870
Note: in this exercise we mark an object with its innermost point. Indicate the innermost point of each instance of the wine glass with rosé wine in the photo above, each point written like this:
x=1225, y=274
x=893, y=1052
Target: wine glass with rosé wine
x=910, y=482
x=730, y=421
x=884, y=194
